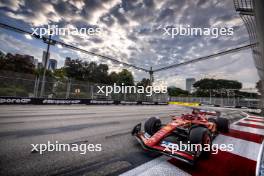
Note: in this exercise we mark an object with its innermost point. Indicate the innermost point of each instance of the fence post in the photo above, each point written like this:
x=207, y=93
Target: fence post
x=68, y=88
x=35, y=86
x=210, y=96
x=92, y=91
x=15, y=86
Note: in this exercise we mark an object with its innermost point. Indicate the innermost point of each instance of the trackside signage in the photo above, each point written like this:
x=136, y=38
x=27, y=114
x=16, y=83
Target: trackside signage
x=61, y=101
x=15, y=100
x=43, y=101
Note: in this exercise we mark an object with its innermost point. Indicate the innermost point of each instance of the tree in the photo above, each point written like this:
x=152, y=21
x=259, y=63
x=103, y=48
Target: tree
x=92, y=72
x=144, y=82
x=17, y=63
x=216, y=87
x=85, y=71
x=2, y=62
x=217, y=84
x=259, y=86
x=101, y=74
x=113, y=77
x=125, y=77
x=59, y=73
x=2, y=55
x=174, y=92
x=74, y=69
x=39, y=72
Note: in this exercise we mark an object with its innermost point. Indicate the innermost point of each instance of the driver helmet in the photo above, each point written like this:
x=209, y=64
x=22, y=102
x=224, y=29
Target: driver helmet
x=196, y=111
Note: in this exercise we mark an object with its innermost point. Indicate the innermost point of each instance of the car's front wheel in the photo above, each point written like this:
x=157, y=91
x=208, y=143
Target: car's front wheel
x=222, y=125
x=152, y=125
x=201, y=141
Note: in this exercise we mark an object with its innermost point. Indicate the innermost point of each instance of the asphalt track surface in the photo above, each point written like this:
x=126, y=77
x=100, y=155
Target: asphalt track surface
x=110, y=126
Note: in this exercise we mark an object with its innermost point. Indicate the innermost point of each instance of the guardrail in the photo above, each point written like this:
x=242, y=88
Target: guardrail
x=28, y=86
x=48, y=101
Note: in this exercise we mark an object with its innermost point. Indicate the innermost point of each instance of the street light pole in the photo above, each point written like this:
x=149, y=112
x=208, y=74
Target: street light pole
x=151, y=77
x=45, y=68
x=210, y=96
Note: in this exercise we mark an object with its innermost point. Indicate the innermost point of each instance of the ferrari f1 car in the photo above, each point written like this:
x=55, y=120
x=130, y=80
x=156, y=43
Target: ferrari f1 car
x=197, y=129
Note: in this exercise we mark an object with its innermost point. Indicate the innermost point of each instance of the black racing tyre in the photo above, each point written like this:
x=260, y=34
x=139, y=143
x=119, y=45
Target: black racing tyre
x=222, y=125
x=201, y=135
x=212, y=120
x=152, y=125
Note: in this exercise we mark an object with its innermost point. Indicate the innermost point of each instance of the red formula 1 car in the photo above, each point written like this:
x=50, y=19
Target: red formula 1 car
x=194, y=130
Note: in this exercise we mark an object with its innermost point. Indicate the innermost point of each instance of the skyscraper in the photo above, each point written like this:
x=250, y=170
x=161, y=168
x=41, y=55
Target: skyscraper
x=67, y=61
x=52, y=65
x=44, y=59
x=189, y=84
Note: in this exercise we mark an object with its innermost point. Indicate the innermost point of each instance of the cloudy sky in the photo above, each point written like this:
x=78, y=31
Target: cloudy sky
x=131, y=32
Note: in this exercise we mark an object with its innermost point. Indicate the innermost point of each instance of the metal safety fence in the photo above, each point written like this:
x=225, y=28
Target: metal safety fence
x=27, y=85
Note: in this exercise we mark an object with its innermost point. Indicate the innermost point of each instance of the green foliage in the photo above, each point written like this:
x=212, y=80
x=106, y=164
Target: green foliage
x=217, y=84
x=174, y=92
x=125, y=77
x=11, y=91
x=16, y=63
x=113, y=77
x=59, y=73
x=144, y=82
x=217, y=88
x=74, y=69
x=97, y=73
x=259, y=86
x=39, y=72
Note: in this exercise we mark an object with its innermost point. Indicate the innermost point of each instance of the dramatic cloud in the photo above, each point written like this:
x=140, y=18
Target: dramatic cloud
x=132, y=32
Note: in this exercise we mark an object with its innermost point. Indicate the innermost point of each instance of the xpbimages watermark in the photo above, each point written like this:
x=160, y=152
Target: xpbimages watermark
x=62, y=31
x=59, y=147
x=214, y=148
x=116, y=89
x=187, y=30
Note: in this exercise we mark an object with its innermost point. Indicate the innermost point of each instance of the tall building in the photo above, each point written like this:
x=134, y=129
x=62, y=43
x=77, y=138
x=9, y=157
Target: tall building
x=52, y=65
x=44, y=59
x=67, y=61
x=36, y=63
x=189, y=84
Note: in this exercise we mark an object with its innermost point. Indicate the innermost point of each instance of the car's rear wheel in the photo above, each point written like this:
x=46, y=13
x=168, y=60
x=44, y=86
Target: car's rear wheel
x=222, y=125
x=152, y=125
x=202, y=137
